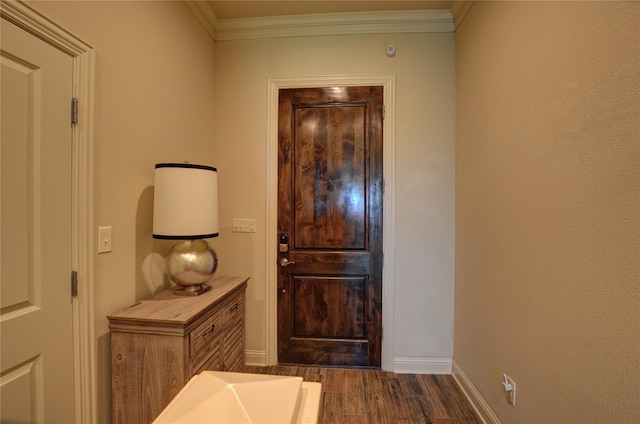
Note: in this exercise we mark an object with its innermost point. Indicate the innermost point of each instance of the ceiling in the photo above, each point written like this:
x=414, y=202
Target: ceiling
x=232, y=9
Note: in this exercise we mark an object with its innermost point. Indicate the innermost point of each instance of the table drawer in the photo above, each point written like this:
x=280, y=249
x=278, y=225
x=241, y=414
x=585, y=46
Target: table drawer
x=233, y=347
x=210, y=360
x=234, y=308
x=206, y=332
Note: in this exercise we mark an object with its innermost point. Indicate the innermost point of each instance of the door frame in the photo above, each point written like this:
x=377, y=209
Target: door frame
x=387, y=81
x=83, y=56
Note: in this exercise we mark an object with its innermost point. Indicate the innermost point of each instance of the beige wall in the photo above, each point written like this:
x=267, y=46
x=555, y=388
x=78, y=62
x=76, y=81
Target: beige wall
x=424, y=70
x=154, y=103
x=547, y=182
x=547, y=208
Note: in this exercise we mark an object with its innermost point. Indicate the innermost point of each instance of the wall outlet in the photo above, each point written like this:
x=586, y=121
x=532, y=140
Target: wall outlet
x=509, y=387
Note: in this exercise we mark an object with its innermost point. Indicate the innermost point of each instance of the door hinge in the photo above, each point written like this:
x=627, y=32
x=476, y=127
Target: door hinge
x=74, y=283
x=74, y=110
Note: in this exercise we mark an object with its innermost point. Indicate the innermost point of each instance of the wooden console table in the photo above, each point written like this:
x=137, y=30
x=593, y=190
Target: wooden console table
x=159, y=343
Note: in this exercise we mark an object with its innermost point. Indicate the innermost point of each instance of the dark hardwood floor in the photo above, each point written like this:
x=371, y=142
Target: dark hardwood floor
x=351, y=396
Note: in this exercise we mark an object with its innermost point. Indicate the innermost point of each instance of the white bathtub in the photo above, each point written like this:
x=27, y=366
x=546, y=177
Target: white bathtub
x=236, y=398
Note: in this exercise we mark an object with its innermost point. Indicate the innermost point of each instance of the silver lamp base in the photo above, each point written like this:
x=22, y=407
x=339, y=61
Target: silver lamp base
x=190, y=264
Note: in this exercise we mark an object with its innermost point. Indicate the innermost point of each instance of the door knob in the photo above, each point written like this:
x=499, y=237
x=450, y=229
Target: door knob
x=286, y=262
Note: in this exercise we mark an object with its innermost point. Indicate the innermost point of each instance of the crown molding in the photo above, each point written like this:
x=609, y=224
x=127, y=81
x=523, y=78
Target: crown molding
x=459, y=9
x=205, y=15
x=410, y=21
x=335, y=24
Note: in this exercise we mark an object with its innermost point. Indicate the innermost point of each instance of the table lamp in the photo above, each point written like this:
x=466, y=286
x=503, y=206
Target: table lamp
x=185, y=208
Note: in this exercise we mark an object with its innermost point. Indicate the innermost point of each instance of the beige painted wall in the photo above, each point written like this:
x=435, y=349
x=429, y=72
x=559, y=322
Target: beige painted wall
x=424, y=69
x=547, y=208
x=154, y=103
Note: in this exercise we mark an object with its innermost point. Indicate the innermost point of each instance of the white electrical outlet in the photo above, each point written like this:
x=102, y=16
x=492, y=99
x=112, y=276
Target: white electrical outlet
x=509, y=387
x=241, y=225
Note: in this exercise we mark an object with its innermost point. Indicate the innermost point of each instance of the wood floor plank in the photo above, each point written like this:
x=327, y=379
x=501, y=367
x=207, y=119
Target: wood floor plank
x=308, y=371
x=455, y=400
x=418, y=410
x=434, y=396
x=395, y=401
x=410, y=385
x=354, y=419
x=355, y=396
x=332, y=408
x=315, y=378
x=354, y=393
x=333, y=379
x=376, y=410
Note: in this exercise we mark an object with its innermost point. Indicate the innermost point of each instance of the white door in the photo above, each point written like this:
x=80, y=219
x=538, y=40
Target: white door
x=36, y=375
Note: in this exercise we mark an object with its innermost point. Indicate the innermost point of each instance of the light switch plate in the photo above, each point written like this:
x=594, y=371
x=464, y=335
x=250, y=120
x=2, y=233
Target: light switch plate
x=243, y=225
x=104, y=239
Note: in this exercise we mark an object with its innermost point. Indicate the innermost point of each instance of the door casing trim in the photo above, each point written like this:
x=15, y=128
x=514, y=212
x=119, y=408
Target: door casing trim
x=275, y=83
x=83, y=55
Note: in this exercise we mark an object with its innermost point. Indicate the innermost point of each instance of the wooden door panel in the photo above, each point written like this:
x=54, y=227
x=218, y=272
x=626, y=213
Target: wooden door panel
x=330, y=210
x=330, y=262
x=329, y=178
x=344, y=352
x=328, y=307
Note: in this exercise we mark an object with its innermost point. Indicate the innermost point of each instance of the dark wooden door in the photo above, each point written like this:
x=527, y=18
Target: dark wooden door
x=330, y=219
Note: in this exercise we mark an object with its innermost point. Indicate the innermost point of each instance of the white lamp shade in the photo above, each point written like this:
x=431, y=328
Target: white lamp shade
x=185, y=204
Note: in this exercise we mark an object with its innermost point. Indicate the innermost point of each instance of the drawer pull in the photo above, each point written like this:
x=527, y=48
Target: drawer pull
x=233, y=308
x=210, y=330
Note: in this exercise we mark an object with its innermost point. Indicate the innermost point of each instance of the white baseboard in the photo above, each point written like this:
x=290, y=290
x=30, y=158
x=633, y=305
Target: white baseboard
x=479, y=404
x=255, y=358
x=409, y=365
x=401, y=365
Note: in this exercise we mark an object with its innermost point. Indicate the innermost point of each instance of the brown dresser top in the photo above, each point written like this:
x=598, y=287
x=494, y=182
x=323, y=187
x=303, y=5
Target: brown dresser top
x=169, y=309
